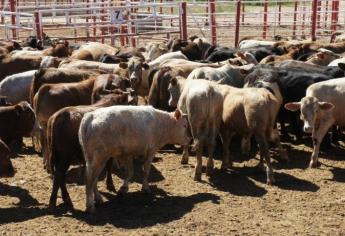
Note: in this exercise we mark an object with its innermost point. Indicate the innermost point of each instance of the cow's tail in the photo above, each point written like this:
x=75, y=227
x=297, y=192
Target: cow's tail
x=84, y=134
x=49, y=158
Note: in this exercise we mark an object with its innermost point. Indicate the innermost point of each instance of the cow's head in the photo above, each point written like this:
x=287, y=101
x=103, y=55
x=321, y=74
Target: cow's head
x=154, y=50
x=26, y=116
x=135, y=67
x=310, y=108
x=174, y=90
x=60, y=49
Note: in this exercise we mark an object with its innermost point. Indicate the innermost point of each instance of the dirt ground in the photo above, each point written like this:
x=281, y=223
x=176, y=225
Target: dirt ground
x=302, y=202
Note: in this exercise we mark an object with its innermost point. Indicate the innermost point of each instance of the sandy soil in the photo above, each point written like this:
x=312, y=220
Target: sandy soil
x=303, y=201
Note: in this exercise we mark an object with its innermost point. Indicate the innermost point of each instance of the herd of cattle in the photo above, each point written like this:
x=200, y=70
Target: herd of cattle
x=80, y=103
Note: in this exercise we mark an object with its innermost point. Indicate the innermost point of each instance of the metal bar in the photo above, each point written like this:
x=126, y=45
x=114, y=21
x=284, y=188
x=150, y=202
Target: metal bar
x=212, y=8
x=264, y=29
x=237, y=27
x=183, y=21
x=294, y=19
x=313, y=20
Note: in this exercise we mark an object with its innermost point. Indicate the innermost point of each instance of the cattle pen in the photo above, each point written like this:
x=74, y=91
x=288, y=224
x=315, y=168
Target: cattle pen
x=135, y=22
x=101, y=60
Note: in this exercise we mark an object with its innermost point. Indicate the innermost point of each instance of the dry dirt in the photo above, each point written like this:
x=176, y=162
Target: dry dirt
x=302, y=202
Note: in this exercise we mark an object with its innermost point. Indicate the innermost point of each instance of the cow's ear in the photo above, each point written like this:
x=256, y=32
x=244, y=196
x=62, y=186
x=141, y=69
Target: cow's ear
x=53, y=44
x=145, y=66
x=141, y=49
x=240, y=55
x=320, y=55
x=326, y=106
x=123, y=65
x=66, y=43
x=177, y=114
x=293, y=106
x=173, y=81
x=18, y=109
x=341, y=66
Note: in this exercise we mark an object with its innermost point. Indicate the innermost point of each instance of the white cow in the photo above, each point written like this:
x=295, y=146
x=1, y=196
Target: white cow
x=16, y=87
x=202, y=101
x=322, y=107
x=227, y=74
x=124, y=133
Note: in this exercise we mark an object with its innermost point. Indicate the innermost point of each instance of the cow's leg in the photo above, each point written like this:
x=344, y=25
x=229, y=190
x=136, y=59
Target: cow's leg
x=109, y=179
x=63, y=167
x=226, y=138
x=147, y=167
x=245, y=145
x=264, y=153
x=198, y=152
x=211, y=145
x=276, y=140
x=129, y=175
x=53, y=196
x=317, y=136
x=185, y=155
x=93, y=169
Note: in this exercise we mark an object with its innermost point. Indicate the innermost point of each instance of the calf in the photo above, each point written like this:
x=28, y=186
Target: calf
x=135, y=131
x=57, y=75
x=322, y=107
x=16, y=88
x=9, y=65
x=89, y=65
x=227, y=74
x=93, y=51
x=250, y=111
x=293, y=84
x=63, y=146
x=6, y=167
x=18, y=121
x=154, y=50
x=202, y=101
x=322, y=58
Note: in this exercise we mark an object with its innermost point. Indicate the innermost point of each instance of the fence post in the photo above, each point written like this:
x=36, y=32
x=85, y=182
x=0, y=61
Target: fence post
x=335, y=15
x=243, y=12
x=318, y=14
x=183, y=20
x=264, y=30
x=313, y=20
x=294, y=20
x=326, y=13
x=237, y=27
x=13, y=18
x=38, y=27
x=279, y=13
x=212, y=8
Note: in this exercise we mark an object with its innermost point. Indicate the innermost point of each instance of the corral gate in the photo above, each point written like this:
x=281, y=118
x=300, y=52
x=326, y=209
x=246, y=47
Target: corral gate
x=137, y=22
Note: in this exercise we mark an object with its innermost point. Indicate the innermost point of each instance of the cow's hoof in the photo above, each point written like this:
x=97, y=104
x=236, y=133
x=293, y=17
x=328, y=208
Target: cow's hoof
x=313, y=165
x=225, y=166
x=271, y=181
x=197, y=177
x=184, y=161
x=209, y=171
x=111, y=188
x=146, y=190
x=123, y=190
x=90, y=210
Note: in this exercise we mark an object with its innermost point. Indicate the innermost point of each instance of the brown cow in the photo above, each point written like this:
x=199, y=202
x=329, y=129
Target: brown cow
x=10, y=45
x=63, y=146
x=52, y=97
x=9, y=65
x=6, y=167
x=17, y=121
x=57, y=75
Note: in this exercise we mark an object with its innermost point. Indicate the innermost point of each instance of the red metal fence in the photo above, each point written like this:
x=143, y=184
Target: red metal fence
x=221, y=21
